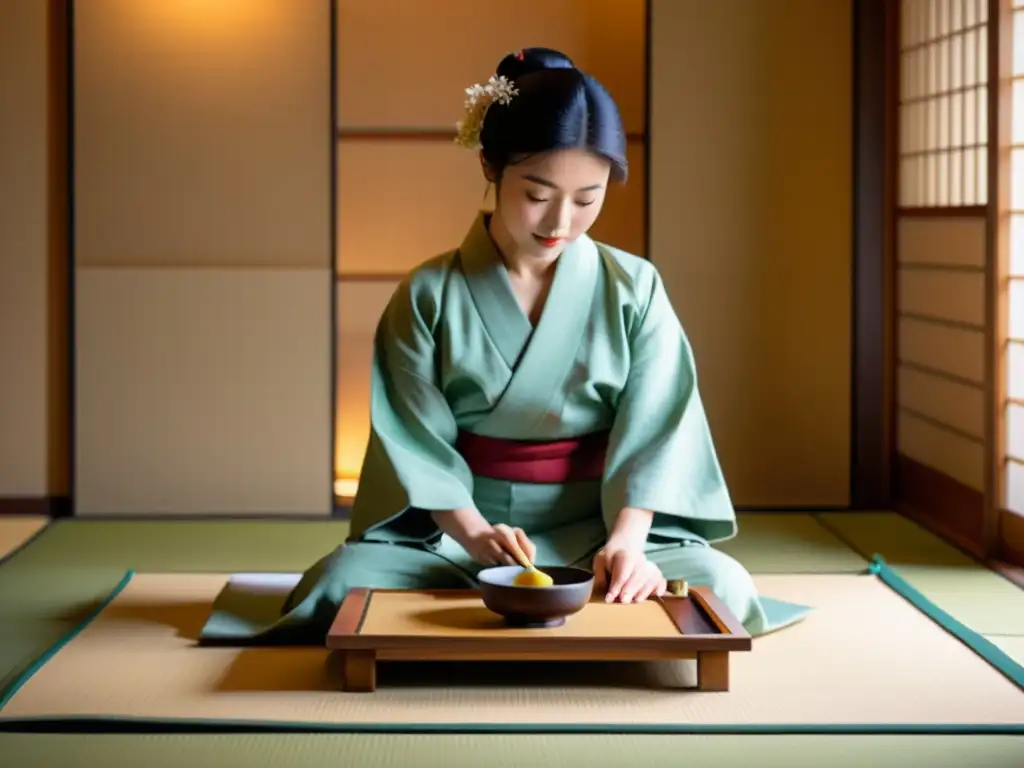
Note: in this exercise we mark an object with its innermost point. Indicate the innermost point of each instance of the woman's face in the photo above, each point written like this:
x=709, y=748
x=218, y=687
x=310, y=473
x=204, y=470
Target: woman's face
x=548, y=200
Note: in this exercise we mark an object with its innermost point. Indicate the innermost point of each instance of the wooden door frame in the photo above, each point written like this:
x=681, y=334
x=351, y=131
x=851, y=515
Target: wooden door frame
x=873, y=373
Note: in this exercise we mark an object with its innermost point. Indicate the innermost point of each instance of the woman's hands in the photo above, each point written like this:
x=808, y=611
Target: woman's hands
x=626, y=575
x=621, y=568
x=487, y=544
x=498, y=546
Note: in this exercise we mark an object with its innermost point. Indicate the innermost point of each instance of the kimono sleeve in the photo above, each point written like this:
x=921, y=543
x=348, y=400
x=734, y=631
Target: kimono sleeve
x=410, y=466
x=661, y=454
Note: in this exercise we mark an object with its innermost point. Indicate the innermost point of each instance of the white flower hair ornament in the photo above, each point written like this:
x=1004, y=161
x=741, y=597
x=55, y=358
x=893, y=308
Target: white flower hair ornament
x=498, y=90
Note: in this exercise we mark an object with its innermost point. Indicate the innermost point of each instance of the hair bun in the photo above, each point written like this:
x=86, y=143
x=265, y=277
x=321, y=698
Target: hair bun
x=529, y=60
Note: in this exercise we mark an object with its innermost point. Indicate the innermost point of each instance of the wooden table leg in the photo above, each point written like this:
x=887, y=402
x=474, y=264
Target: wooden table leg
x=360, y=671
x=713, y=670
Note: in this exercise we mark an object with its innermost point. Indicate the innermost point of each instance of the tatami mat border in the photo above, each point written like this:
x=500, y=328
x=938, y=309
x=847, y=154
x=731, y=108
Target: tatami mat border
x=978, y=643
x=26, y=675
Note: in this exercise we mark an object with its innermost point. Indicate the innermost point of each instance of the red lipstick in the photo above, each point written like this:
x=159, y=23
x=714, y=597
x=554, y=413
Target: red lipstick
x=548, y=242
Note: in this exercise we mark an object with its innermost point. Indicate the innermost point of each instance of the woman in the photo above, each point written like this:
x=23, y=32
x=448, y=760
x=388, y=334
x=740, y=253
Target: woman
x=533, y=386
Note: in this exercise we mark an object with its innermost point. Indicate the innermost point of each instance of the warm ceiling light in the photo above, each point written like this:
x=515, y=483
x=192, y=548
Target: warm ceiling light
x=225, y=17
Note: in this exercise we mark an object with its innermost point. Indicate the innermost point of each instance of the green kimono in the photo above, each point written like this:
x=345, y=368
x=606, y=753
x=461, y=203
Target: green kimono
x=454, y=351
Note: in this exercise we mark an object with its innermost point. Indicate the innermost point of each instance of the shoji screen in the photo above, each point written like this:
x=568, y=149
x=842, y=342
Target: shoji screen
x=943, y=101
x=1012, y=527
x=202, y=245
x=405, y=191
x=750, y=225
x=940, y=249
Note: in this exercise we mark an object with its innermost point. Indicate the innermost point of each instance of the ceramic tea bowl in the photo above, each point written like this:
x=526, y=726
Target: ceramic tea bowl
x=536, y=606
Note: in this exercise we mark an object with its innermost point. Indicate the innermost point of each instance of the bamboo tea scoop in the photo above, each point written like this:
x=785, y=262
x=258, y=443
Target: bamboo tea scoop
x=530, y=577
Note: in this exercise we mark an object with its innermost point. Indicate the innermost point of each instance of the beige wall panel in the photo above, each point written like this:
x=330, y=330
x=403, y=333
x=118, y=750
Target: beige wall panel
x=203, y=133
x=622, y=222
x=956, y=296
x=402, y=202
x=24, y=245
x=406, y=63
x=957, y=405
x=360, y=305
x=957, y=352
x=956, y=241
x=944, y=451
x=203, y=391
x=750, y=217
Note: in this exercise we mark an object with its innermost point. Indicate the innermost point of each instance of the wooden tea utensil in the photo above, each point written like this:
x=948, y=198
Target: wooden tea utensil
x=530, y=577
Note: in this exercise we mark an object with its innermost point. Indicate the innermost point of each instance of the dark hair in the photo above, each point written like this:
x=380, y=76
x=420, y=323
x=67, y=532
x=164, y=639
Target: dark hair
x=557, y=107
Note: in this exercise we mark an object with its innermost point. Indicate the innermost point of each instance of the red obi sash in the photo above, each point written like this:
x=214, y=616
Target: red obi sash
x=521, y=461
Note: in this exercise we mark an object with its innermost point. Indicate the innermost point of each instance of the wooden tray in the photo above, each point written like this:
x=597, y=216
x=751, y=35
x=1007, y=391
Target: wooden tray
x=454, y=625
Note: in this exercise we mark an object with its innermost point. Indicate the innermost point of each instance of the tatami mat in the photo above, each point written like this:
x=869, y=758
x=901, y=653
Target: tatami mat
x=981, y=599
x=47, y=586
x=766, y=543
x=790, y=543
x=1012, y=646
x=52, y=582
x=977, y=596
x=17, y=530
x=138, y=659
x=189, y=545
x=507, y=751
x=900, y=540
x=77, y=562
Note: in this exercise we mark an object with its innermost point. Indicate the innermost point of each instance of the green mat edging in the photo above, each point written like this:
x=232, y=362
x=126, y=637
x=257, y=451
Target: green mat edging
x=878, y=567
x=141, y=725
x=977, y=642
x=27, y=674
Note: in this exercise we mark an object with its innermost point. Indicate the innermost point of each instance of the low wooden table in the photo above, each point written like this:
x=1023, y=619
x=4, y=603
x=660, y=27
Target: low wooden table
x=454, y=625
